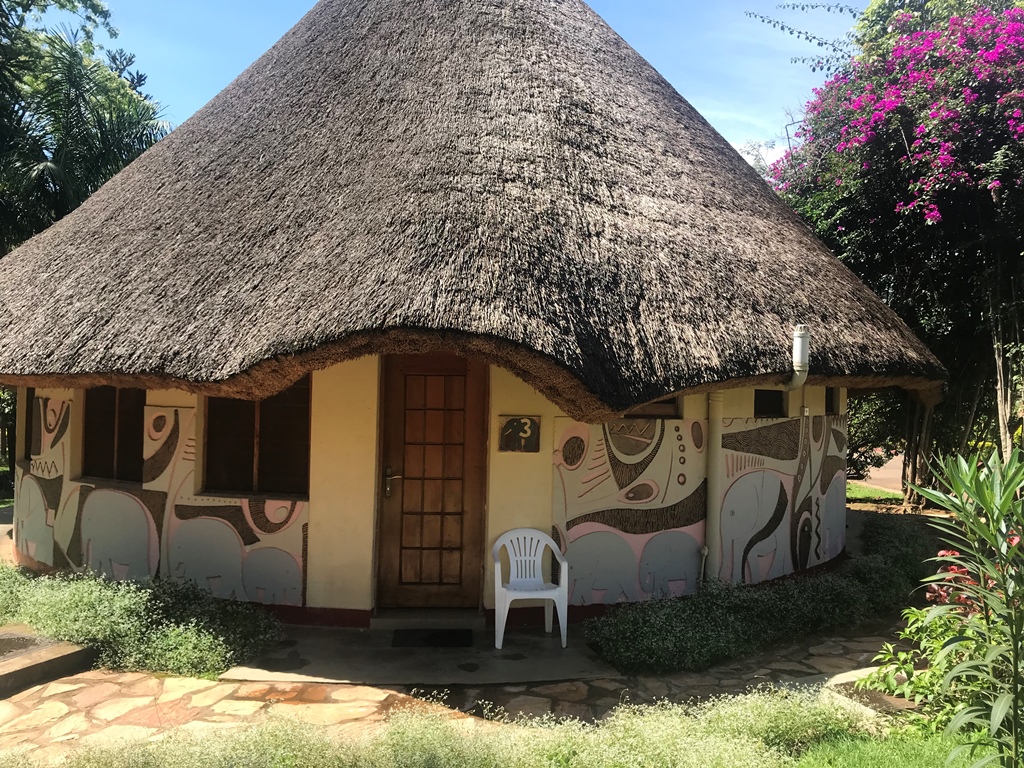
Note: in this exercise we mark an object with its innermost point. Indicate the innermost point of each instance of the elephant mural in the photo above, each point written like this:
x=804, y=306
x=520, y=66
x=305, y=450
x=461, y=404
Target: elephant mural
x=208, y=552
x=672, y=556
x=118, y=536
x=601, y=561
x=834, y=517
x=33, y=533
x=791, y=476
x=753, y=548
x=271, y=575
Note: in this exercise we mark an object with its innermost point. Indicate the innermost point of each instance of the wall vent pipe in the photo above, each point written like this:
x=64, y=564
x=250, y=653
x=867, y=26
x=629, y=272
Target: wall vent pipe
x=801, y=356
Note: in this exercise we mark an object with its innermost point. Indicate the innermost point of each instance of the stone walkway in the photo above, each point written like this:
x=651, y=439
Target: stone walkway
x=811, y=662
x=101, y=708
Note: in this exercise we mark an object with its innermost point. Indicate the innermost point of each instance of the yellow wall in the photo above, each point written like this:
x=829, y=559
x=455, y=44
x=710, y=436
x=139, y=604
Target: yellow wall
x=737, y=403
x=343, y=485
x=695, y=407
x=519, y=485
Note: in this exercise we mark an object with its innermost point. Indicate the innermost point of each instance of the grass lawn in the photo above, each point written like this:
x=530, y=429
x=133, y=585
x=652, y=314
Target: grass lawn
x=899, y=751
x=856, y=491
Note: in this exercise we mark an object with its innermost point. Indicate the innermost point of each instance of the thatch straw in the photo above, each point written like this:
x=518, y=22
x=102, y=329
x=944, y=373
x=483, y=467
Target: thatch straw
x=501, y=177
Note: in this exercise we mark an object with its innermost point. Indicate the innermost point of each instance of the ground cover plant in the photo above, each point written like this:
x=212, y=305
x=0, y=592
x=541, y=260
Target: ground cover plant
x=160, y=626
x=966, y=669
x=763, y=729
x=723, y=621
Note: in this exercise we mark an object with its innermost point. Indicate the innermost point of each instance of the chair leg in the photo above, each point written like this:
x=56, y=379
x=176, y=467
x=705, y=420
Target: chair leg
x=548, y=610
x=563, y=611
x=500, y=615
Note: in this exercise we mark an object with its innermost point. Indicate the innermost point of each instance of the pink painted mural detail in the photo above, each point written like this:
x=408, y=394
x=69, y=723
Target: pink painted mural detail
x=241, y=548
x=630, y=507
x=784, y=507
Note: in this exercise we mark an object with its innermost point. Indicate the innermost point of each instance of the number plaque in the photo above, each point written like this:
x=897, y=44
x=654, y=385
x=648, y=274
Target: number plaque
x=519, y=434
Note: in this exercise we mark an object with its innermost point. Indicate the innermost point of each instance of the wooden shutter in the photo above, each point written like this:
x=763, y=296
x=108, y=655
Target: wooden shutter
x=131, y=417
x=769, y=404
x=230, y=444
x=283, y=441
x=100, y=432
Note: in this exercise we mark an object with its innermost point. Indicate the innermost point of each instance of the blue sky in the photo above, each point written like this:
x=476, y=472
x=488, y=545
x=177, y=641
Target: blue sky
x=735, y=70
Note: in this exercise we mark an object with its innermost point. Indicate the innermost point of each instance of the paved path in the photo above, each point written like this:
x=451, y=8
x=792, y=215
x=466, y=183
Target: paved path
x=101, y=708
x=888, y=477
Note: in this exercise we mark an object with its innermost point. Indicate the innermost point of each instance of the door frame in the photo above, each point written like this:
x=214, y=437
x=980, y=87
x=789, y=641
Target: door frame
x=477, y=376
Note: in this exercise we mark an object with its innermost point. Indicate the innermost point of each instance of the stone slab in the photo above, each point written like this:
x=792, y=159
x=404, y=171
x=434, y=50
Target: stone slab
x=40, y=665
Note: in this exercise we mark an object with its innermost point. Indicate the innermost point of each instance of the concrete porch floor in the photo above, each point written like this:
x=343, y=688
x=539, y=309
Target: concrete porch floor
x=366, y=657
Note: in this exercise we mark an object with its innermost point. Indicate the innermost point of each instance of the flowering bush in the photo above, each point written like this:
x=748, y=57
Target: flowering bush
x=946, y=105
x=968, y=664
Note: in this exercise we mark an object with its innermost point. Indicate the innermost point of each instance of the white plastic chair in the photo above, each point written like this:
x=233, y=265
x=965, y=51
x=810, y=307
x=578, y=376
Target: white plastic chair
x=525, y=547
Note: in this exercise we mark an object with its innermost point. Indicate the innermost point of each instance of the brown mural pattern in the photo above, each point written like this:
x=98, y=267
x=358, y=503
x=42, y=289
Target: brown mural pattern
x=630, y=507
x=240, y=548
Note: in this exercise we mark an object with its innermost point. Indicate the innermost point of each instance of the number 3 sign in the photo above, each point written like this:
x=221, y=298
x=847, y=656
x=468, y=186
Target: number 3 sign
x=520, y=434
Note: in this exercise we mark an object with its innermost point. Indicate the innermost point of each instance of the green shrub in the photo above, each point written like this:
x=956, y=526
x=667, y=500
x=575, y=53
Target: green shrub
x=722, y=621
x=904, y=542
x=12, y=582
x=790, y=721
x=764, y=729
x=159, y=626
x=883, y=587
x=111, y=617
x=971, y=642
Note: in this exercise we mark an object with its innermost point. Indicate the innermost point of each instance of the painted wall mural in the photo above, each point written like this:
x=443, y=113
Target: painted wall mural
x=784, y=504
x=246, y=549
x=630, y=507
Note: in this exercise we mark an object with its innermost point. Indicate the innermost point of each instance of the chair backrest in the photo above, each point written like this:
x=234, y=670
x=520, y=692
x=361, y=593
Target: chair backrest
x=525, y=547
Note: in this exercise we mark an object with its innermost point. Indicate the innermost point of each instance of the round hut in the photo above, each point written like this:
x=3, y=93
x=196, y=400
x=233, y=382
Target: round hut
x=424, y=273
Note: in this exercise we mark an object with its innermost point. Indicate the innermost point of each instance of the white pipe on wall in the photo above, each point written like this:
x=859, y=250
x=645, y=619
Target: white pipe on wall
x=712, y=562
x=801, y=356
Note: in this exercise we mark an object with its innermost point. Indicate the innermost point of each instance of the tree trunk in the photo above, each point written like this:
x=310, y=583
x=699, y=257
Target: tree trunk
x=969, y=424
x=1004, y=380
x=910, y=463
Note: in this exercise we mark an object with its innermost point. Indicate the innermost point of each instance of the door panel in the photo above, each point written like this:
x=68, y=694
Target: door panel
x=431, y=523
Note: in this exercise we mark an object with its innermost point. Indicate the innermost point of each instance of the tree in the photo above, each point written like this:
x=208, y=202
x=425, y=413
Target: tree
x=68, y=122
x=910, y=168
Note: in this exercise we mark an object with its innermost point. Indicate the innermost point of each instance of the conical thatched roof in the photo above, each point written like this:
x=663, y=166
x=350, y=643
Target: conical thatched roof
x=506, y=178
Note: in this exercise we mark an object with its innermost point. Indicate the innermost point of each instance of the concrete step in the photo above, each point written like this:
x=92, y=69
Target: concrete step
x=428, y=618
x=27, y=659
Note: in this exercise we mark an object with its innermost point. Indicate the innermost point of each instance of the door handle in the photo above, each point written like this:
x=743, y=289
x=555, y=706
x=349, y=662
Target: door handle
x=388, y=478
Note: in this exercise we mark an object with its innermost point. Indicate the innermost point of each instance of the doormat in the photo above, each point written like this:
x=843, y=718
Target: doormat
x=432, y=638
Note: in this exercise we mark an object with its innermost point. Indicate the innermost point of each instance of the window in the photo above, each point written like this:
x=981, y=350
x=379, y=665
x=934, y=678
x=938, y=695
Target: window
x=832, y=401
x=259, y=447
x=114, y=431
x=769, y=404
x=662, y=409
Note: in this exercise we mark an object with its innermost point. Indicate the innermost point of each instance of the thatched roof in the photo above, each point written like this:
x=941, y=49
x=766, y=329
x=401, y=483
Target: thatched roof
x=501, y=177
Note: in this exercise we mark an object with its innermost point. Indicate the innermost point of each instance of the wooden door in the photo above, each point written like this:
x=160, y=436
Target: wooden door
x=431, y=519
